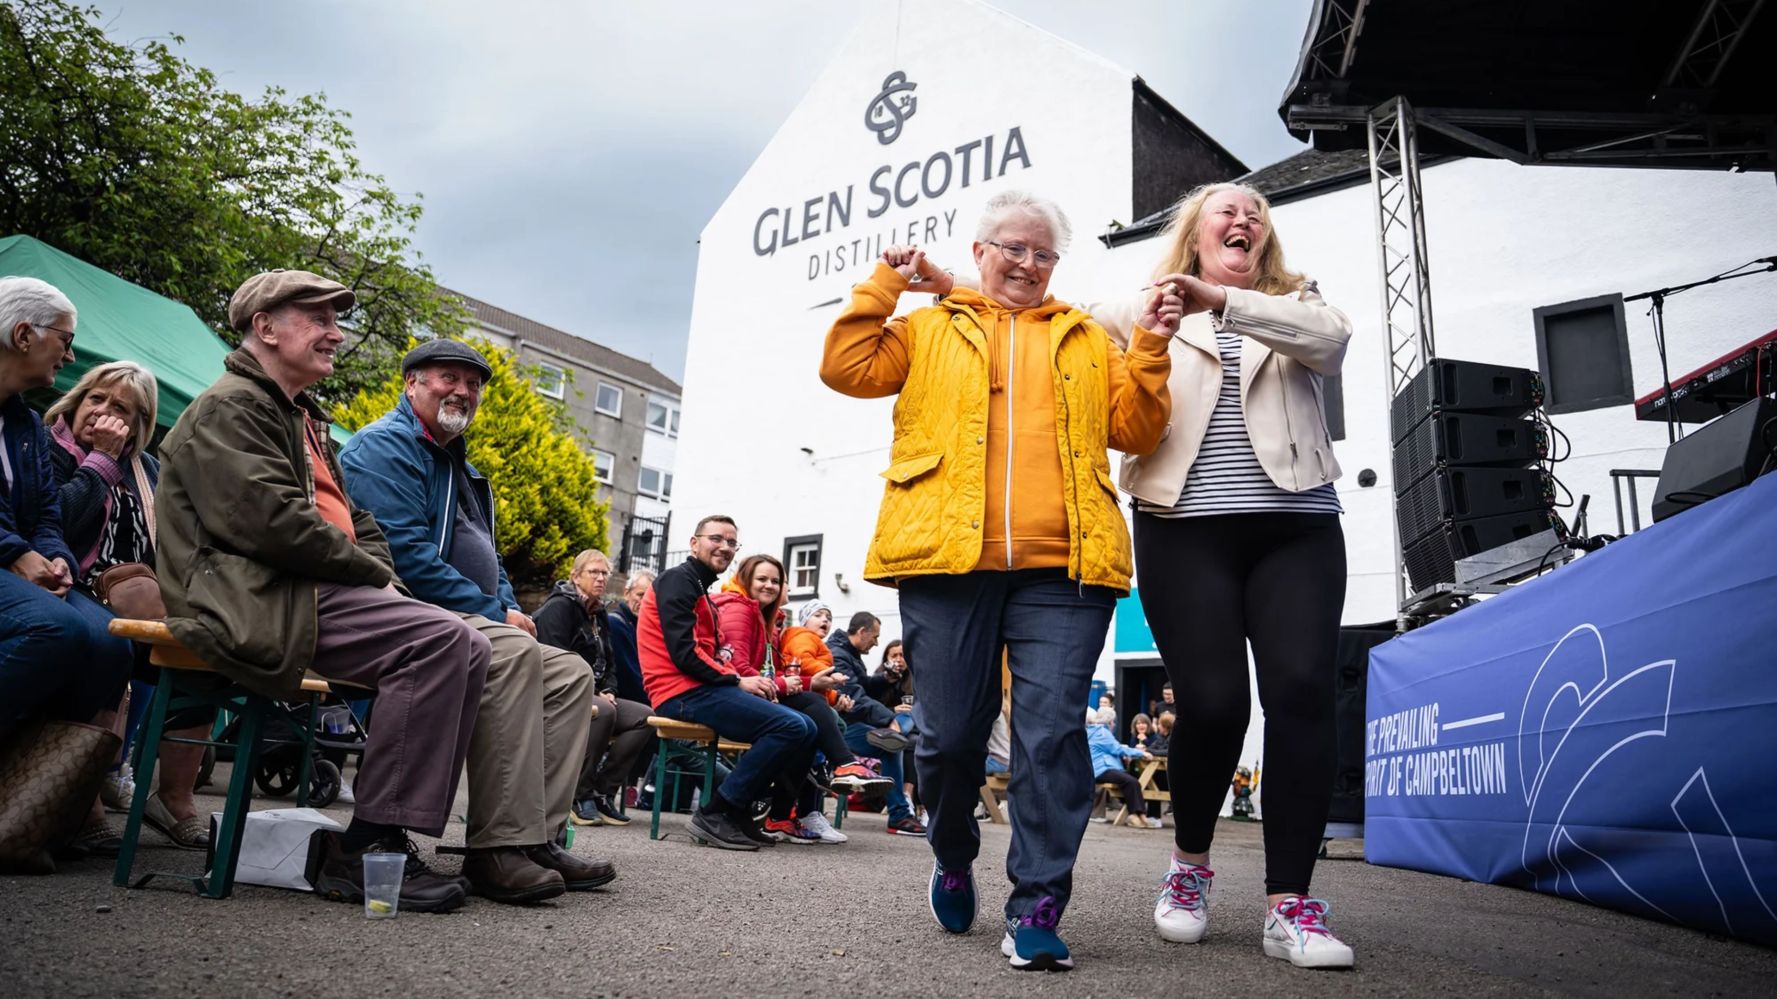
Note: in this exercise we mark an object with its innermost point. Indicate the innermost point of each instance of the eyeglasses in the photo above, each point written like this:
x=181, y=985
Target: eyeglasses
x=725, y=542
x=1016, y=252
x=66, y=335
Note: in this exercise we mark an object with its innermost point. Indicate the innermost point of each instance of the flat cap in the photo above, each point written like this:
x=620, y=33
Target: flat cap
x=266, y=291
x=442, y=351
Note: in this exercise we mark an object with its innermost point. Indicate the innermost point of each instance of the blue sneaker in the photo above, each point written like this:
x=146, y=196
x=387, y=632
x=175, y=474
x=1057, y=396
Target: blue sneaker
x=1032, y=943
x=954, y=902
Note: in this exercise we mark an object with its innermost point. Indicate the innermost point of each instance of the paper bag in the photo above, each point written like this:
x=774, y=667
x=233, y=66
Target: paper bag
x=274, y=845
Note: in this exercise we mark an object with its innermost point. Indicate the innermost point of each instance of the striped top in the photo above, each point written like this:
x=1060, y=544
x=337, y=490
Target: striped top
x=1226, y=477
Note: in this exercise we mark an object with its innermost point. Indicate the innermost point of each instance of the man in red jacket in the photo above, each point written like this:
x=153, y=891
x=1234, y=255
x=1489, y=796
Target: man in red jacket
x=686, y=680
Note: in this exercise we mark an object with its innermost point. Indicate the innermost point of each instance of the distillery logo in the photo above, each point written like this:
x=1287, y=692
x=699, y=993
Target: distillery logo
x=890, y=109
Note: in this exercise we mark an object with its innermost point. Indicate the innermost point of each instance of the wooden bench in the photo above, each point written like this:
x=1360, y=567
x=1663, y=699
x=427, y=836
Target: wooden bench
x=993, y=791
x=679, y=761
x=179, y=688
x=1150, y=770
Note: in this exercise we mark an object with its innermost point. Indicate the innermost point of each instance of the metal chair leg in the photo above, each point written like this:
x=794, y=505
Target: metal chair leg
x=240, y=800
x=147, y=754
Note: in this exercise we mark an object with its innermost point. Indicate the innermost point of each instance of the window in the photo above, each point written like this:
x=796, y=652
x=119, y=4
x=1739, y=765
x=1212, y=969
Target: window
x=802, y=560
x=655, y=483
x=609, y=400
x=606, y=464
x=1582, y=349
x=551, y=380
x=663, y=418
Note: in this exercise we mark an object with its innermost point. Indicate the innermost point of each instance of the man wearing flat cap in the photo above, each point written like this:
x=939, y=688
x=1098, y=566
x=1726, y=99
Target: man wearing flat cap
x=409, y=470
x=268, y=569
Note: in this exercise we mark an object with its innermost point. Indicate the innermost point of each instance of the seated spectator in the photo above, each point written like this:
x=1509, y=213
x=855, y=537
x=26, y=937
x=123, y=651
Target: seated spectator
x=1141, y=732
x=267, y=568
x=869, y=722
x=805, y=649
x=1164, y=703
x=1161, y=742
x=574, y=618
x=1105, y=713
x=106, y=478
x=689, y=681
x=892, y=685
x=57, y=662
x=1108, y=757
x=408, y=469
x=744, y=606
x=622, y=620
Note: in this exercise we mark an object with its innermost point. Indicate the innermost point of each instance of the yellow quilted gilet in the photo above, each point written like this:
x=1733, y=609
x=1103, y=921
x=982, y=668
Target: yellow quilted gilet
x=934, y=501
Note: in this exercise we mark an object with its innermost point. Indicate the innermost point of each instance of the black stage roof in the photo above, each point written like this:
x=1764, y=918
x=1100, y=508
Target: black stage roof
x=1670, y=83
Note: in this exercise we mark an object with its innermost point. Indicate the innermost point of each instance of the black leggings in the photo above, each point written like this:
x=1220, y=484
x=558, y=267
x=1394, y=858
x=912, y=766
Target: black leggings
x=1128, y=788
x=1209, y=585
x=829, y=731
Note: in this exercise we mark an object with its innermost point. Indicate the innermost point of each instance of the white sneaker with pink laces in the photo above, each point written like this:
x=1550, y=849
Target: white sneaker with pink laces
x=1182, y=913
x=1296, y=930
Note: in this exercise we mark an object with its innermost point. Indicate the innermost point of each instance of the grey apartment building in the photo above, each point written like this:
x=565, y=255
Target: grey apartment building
x=627, y=411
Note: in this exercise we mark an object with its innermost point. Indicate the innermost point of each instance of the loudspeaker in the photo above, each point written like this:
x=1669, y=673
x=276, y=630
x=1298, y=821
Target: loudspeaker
x=1457, y=494
x=1466, y=387
x=1466, y=439
x=1432, y=558
x=1349, y=685
x=1719, y=458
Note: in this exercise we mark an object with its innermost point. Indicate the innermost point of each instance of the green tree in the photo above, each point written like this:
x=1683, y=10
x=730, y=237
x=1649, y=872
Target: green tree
x=139, y=162
x=545, y=487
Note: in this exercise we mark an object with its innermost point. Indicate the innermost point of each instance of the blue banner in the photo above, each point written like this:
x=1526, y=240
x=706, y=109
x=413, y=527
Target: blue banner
x=1607, y=733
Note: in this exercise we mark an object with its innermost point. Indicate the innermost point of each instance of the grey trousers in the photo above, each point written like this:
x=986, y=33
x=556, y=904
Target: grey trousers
x=529, y=739
x=618, y=736
x=427, y=669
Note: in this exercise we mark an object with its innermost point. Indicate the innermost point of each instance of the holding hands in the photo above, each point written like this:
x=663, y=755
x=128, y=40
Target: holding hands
x=1165, y=308
x=1197, y=294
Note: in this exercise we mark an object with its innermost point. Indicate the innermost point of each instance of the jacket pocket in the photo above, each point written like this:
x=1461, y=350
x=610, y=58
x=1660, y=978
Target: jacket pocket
x=242, y=603
x=912, y=467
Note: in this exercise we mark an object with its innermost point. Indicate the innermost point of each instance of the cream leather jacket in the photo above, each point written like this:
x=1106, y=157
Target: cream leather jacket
x=1288, y=343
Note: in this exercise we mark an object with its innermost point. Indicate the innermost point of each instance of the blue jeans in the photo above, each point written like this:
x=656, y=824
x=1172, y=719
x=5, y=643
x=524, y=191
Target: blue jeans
x=898, y=806
x=783, y=739
x=1052, y=629
x=56, y=659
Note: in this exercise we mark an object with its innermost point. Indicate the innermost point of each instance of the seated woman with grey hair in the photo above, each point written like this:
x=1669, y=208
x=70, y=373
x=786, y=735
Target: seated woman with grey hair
x=59, y=668
x=999, y=524
x=106, y=477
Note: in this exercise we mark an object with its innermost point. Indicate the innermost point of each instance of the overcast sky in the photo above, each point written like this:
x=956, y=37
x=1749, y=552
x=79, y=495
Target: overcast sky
x=569, y=153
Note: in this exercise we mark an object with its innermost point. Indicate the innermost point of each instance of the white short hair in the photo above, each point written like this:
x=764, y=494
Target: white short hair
x=33, y=301
x=1005, y=204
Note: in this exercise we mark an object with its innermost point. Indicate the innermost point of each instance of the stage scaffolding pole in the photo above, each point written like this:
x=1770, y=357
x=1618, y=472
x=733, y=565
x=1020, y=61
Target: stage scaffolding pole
x=1406, y=274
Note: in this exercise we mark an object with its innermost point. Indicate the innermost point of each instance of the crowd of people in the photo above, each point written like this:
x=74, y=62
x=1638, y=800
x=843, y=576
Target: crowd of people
x=376, y=565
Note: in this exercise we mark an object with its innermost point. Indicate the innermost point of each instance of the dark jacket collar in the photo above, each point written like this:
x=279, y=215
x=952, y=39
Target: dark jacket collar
x=705, y=576
x=242, y=362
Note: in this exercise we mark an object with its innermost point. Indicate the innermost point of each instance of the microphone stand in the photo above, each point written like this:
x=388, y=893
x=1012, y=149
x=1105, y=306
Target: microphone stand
x=1658, y=312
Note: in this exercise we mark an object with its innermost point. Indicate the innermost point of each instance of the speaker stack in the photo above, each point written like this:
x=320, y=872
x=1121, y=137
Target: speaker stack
x=1466, y=452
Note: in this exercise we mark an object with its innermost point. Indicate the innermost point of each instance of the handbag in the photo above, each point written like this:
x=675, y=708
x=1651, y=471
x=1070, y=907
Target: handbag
x=49, y=775
x=131, y=589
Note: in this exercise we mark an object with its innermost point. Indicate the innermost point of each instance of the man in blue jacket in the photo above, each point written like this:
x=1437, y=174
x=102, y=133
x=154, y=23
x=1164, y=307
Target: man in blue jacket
x=408, y=469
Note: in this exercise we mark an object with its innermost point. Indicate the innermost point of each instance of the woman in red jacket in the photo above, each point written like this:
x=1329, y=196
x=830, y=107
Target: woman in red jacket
x=747, y=610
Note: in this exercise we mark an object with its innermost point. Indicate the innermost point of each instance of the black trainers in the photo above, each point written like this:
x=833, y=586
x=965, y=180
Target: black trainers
x=888, y=740
x=607, y=811
x=338, y=874
x=586, y=813
x=719, y=829
x=754, y=829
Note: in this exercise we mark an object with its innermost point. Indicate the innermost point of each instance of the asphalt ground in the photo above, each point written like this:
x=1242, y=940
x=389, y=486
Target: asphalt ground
x=687, y=921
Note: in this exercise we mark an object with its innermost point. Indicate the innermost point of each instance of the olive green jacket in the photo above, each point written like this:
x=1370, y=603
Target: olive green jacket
x=241, y=546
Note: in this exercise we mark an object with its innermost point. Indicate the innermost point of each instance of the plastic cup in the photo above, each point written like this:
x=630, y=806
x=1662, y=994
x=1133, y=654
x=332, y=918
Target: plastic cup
x=382, y=884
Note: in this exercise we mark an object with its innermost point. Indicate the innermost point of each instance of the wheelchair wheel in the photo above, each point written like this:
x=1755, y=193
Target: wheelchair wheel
x=324, y=785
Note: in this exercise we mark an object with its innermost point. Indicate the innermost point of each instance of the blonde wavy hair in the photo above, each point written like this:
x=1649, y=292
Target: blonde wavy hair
x=1181, y=234
x=127, y=374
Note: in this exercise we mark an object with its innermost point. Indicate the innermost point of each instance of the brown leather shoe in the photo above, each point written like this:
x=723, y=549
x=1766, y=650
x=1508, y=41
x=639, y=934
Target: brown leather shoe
x=580, y=873
x=508, y=874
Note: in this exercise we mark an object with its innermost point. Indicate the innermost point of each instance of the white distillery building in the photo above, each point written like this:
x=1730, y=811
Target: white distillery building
x=797, y=465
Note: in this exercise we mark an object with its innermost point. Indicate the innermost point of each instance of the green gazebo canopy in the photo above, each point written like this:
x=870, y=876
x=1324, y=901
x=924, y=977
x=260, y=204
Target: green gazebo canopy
x=120, y=321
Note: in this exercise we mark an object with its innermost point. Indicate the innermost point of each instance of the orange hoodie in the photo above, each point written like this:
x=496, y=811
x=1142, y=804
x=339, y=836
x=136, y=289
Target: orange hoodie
x=805, y=649
x=1021, y=433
